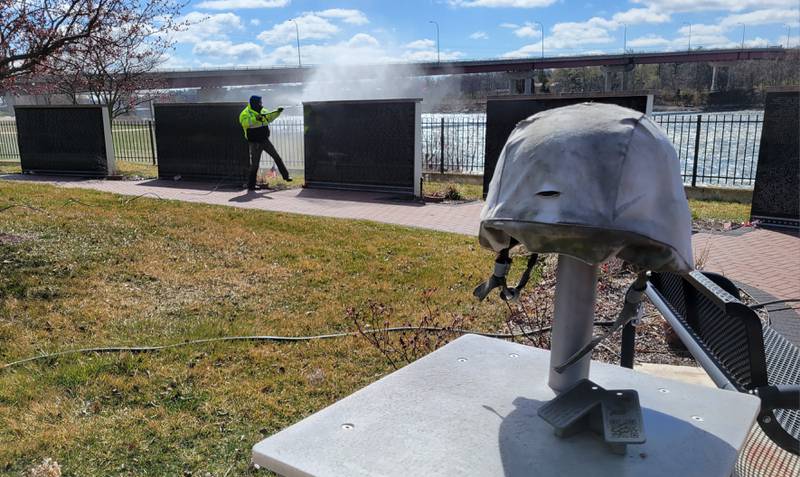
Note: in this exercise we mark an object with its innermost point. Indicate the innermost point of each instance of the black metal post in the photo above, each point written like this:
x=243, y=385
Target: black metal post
x=628, y=345
x=441, y=149
x=696, y=150
x=152, y=141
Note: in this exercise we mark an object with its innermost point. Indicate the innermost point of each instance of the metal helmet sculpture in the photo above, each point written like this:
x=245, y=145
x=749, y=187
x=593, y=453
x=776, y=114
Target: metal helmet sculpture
x=591, y=181
x=588, y=182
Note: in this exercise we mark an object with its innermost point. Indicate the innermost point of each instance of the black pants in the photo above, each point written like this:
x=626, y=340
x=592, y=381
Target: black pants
x=256, y=148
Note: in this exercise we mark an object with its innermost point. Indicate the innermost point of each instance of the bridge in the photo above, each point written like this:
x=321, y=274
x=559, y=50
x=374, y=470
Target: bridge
x=215, y=78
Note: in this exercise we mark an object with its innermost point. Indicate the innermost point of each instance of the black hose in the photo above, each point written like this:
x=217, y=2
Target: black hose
x=279, y=339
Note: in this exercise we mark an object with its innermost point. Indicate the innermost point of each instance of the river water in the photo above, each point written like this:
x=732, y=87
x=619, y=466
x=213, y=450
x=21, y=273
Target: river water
x=726, y=144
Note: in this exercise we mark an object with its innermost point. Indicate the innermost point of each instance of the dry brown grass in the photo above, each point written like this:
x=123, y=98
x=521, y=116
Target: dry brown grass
x=153, y=272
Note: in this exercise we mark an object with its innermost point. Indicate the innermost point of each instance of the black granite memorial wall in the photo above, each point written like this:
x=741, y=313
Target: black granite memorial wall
x=363, y=145
x=503, y=114
x=201, y=142
x=65, y=140
x=776, y=193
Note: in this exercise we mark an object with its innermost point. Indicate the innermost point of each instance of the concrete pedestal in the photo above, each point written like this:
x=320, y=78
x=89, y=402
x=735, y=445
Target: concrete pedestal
x=470, y=409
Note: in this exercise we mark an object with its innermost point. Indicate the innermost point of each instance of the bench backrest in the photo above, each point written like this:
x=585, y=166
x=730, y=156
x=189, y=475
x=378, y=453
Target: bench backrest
x=732, y=337
x=727, y=330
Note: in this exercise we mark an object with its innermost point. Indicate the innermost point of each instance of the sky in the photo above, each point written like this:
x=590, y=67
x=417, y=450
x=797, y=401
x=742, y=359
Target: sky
x=225, y=33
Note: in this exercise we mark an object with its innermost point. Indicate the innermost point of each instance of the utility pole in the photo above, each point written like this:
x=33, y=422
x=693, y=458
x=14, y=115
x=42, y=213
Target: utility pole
x=297, y=30
x=438, y=57
x=541, y=29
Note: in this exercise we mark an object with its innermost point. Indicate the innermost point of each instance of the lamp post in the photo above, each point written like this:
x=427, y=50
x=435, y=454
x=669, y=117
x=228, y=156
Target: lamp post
x=690, y=35
x=788, y=31
x=297, y=31
x=541, y=29
x=624, y=38
x=438, y=57
x=743, y=30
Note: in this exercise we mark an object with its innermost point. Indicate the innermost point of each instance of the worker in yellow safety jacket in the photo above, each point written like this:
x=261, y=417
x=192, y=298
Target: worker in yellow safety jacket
x=255, y=122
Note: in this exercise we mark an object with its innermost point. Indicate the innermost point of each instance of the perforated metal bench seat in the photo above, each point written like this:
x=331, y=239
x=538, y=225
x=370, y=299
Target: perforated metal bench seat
x=734, y=346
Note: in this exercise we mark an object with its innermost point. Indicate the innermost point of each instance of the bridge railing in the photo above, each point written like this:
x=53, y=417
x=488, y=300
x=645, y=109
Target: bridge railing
x=714, y=148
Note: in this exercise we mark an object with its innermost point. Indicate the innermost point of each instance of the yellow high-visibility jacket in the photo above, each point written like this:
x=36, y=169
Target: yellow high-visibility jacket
x=255, y=130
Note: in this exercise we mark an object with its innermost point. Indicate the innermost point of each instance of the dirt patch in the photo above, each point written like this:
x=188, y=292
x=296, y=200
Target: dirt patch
x=653, y=343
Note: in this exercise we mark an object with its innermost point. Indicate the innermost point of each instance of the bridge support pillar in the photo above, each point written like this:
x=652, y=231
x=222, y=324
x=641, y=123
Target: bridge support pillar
x=521, y=83
x=713, y=78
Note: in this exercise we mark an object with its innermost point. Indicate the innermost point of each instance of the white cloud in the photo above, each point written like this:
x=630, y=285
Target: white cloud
x=675, y=6
x=700, y=29
x=479, y=35
x=351, y=16
x=241, y=4
x=361, y=40
x=509, y=25
x=569, y=35
x=648, y=41
x=359, y=49
x=240, y=52
x=763, y=17
x=501, y=3
x=430, y=55
x=311, y=27
x=524, y=52
x=255, y=21
x=529, y=30
x=421, y=44
x=207, y=27
x=641, y=15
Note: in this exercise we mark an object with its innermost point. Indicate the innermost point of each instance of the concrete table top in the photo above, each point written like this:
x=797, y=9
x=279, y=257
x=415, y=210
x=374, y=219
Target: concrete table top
x=470, y=408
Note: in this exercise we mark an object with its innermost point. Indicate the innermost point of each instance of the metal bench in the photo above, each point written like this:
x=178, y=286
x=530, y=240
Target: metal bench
x=737, y=350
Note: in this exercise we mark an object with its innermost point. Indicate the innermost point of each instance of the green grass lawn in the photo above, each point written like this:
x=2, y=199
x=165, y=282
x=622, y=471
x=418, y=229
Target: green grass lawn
x=10, y=167
x=152, y=272
x=99, y=270
x=734, y=212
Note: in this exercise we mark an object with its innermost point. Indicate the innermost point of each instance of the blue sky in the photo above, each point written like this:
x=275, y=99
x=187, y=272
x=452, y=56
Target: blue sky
x=262, y=32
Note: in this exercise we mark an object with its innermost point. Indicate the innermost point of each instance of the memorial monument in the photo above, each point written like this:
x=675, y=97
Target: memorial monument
x=776, y=193
x=201, y=142
x=70, y=140
x=373, y=145
x=504, y=112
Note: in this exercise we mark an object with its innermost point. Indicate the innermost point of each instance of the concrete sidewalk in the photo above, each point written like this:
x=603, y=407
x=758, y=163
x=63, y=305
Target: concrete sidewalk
x=461, y=218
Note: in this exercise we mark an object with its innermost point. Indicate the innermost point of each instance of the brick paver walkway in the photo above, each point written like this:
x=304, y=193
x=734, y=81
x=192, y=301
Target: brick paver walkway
x=761, y=258
x=457, y=218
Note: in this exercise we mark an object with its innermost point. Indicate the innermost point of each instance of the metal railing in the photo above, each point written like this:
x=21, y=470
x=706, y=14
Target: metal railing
x=287, y=135
x=134, y=140
x=9, y=151
x=718, y=149
x=713, y=148
x=453, y=143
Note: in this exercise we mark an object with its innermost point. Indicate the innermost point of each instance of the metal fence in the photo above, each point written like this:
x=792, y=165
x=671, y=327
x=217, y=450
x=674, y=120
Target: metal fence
x=134, y=140
x=453, y=143
x=9, y=150
x=714, y=148
x=287, y=135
